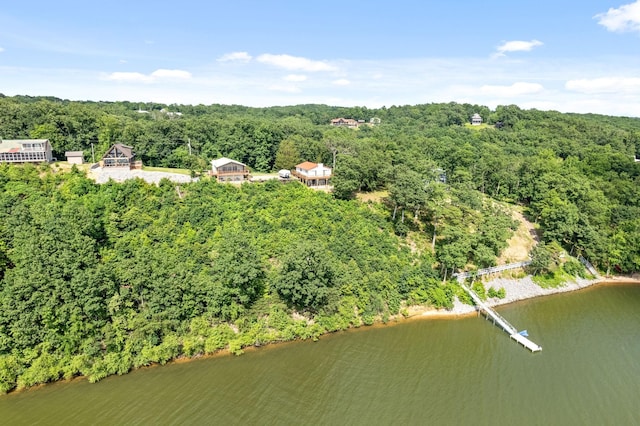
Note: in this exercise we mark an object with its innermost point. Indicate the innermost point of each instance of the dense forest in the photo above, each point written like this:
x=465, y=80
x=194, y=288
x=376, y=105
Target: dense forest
x=99, y=279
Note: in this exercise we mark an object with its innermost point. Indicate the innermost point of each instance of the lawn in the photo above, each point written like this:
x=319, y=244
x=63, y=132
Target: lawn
x=167, y=170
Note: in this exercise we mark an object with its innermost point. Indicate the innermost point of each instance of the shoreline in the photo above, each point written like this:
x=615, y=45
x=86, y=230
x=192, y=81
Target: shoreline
x=517, y=290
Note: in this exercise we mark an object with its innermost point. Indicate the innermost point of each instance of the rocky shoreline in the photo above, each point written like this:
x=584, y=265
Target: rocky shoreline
x=522, y=289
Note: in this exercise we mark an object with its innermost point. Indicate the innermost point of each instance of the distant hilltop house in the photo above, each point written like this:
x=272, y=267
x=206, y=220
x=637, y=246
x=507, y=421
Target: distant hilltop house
x=170, y=113
x=228, y=170
x=74, y=157
x=163, y=111
x=345, y=122
x=120, y=155
x=313, y=174
x=354, y=124
x=476, y=120
x=25, y=151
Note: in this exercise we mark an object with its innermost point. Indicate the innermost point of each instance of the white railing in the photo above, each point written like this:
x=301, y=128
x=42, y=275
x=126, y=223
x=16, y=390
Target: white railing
x=492, y=270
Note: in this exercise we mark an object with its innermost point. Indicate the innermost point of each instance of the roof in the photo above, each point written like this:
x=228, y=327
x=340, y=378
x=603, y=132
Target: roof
x=74, y=154
x=125, y=149
x=344, y=120
x=307, y=165
x=476, y=115
x=224, y=160
x=15, y=145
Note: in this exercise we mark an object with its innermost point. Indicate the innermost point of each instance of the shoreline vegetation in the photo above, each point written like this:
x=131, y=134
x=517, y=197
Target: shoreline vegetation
x=517, y=290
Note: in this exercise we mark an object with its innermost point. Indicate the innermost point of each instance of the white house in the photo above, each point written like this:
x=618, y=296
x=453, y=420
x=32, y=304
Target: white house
x=228, y=170
x=25, y=151
x=476, y=120
x=313, y=174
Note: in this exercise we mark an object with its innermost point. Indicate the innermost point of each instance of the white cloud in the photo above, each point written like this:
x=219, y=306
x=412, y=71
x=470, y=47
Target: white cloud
x=597, y=85
x=620, y=85
x=516, y=89
x=123, y=61
x=1, y=49
x=624, y=18
x=295, y=77
x=235, y=56
x=517, y=46
x=341, y=82
x=160, y=74
x=294, y=63
x=176, y=74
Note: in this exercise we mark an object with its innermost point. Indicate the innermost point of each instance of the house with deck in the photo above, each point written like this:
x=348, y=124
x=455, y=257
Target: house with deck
x=346, y=122
x=313, y=174
x=25, y=151
x=120, y=155
x=476, y=120
x=228, y=170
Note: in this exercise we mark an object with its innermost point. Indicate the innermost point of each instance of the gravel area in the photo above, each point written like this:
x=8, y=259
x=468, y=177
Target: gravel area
x=516, y=289
x=525, y=288
x=102, y=175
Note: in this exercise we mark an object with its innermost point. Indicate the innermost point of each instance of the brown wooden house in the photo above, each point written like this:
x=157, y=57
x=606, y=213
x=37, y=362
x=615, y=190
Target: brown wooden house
x=228, y=170
x=120, y=155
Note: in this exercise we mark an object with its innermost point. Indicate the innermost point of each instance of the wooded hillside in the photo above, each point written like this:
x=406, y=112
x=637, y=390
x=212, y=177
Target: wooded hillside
x=99, y=279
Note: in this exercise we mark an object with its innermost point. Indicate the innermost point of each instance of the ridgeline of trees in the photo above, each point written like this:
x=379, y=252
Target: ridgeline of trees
x=99, y=279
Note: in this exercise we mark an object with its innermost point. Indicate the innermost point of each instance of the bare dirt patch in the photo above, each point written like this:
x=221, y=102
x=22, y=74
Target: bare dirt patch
x=522, y=241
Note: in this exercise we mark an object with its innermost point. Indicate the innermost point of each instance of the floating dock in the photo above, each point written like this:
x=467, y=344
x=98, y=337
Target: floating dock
x=503, y=323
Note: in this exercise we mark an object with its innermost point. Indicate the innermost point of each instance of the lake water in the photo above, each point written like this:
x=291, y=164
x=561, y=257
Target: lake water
x=418, y=372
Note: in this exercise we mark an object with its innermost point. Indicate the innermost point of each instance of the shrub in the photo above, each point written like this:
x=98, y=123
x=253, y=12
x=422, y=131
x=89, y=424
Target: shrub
x=500, y=293
x=574, y=268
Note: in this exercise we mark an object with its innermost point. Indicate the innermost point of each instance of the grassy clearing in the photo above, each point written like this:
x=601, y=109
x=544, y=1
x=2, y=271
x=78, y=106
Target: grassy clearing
x=167, y=170
x=65, y=166
x=374, y=197
x=478, y=127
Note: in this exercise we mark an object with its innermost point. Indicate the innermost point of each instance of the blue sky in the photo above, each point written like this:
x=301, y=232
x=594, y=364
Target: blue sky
x=570, y=56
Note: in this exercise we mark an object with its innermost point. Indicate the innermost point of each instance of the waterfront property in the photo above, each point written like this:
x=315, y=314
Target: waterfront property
x=228, y=170
x=25, y=151
x=313, y=174
x=120, y=155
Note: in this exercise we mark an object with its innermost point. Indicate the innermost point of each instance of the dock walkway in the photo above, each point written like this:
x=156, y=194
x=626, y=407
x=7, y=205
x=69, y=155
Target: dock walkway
x=503, y=323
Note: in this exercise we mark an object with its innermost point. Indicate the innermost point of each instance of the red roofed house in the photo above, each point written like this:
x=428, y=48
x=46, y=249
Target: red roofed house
x=25, y=151
x=312, y=174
